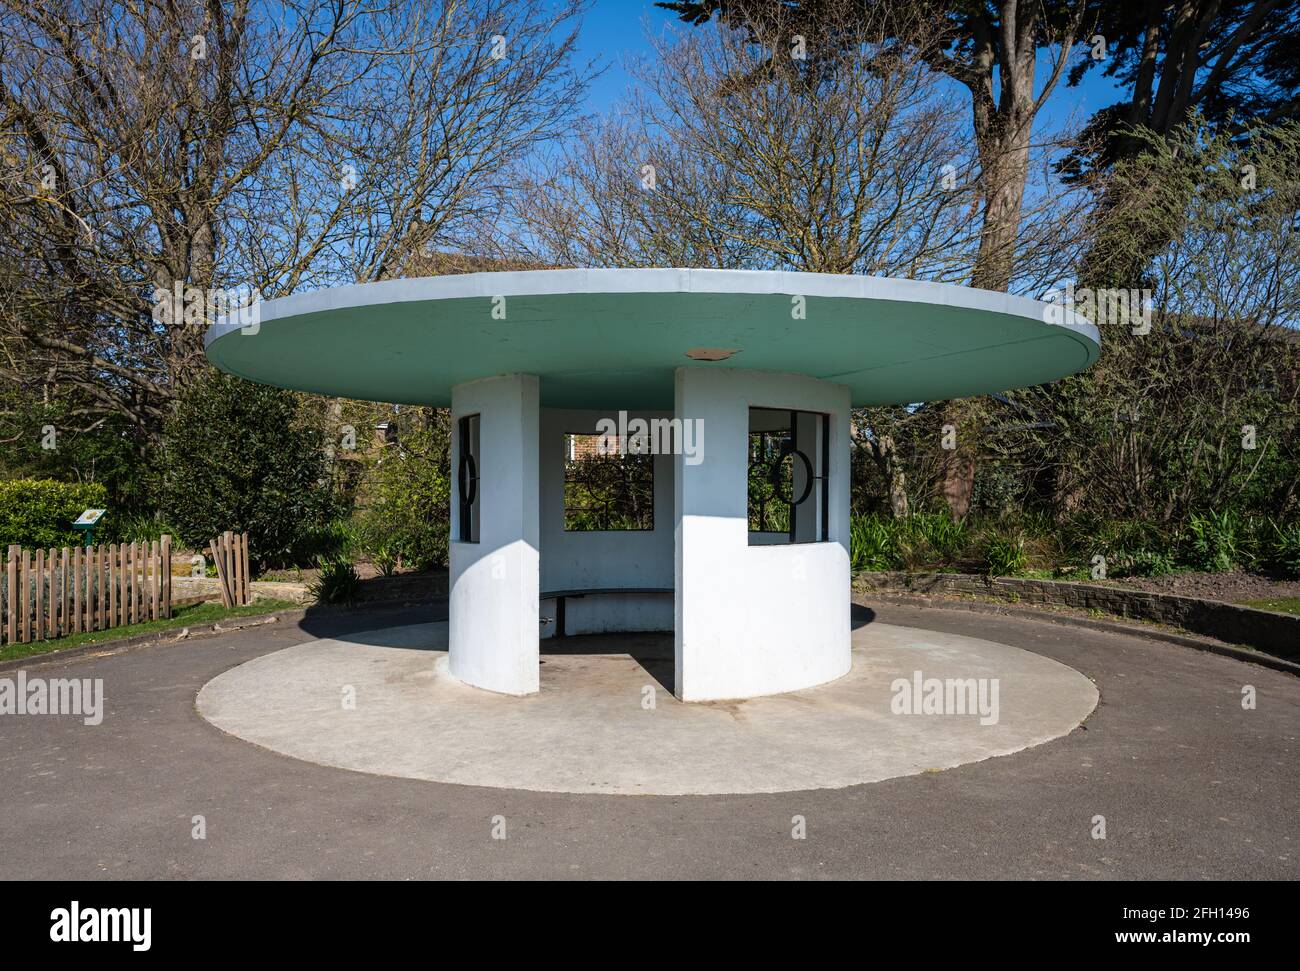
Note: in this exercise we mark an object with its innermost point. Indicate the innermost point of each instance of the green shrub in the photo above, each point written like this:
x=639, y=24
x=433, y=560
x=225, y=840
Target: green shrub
x=1139, y=549
x=384, y=557
x=871, y=544
x=1012, y=545
x=1131, y=547
x=936, y=536
x=1284, y=549
x=878, y=542
x=135, y=528
x=113, y=450
x=39, y=512
x=1255, y=541
x=338, y=583
x=409, y=496
x=336, y=539
x=1213, y=542
x=1082, y=536
x=1150, y=563
x=1005, y=553
x=244, y=457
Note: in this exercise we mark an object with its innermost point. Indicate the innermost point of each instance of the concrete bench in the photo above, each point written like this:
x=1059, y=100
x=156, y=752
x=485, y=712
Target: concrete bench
x=560, y=596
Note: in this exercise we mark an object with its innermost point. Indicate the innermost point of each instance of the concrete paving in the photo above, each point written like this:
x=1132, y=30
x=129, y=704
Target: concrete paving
x=382, y=701
x=1192, y=786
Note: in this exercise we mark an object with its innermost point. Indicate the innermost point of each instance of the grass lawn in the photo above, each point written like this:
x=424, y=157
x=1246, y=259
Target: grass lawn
x=191, y=615
x=1281, y=605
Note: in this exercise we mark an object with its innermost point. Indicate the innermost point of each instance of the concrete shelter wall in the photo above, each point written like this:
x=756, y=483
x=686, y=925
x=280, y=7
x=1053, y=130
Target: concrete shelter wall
x=493, y=605
x=755, y=619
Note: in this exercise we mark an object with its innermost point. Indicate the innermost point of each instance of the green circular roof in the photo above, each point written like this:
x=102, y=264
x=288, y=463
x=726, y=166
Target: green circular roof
x=612, y=338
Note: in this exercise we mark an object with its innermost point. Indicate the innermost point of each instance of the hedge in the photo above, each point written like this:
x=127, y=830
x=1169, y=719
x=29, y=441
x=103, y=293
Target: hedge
x=245, y=457
x=39, y=512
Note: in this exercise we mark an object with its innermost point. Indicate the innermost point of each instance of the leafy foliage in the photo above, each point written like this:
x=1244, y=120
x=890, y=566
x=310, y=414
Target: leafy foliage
x=1019, y=543
x=1197, y=407
x=134, y=528
x=911, y=542
x=337, y=583
x=51, y=440
x=1284, y=549
x=407, y=497
x=1005, y=554
x=40, y=512
x=332, y=540
x=608, y=492
x=871, y=544
x=244, y=456
x=1214, y=542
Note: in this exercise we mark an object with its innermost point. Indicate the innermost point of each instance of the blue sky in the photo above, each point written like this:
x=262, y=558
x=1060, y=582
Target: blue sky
x=615, y=31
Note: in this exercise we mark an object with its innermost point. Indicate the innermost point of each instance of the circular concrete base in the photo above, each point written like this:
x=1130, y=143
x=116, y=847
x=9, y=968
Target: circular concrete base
x=382, y=702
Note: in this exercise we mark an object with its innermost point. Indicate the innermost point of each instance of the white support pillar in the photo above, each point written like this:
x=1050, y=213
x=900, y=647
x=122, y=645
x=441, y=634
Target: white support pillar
x=755, y=619
x=493, y=609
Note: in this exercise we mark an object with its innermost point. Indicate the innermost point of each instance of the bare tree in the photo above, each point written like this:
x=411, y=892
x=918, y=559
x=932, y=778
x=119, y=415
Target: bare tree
x=990, y=48
x=842, y=151
x=235, y=146
x=819, y=161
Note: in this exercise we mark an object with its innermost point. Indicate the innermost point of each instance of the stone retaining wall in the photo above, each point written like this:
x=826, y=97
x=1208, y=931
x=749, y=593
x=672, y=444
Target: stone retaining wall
x=209, y=588
x=1264, y=630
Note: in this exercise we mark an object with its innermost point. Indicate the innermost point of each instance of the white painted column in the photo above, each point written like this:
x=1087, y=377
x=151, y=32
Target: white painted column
x=493, y=609
x=755, y=620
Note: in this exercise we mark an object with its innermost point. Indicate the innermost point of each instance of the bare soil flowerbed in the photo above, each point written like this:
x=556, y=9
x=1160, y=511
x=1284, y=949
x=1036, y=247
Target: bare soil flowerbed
x=1227, y=587
x=402, y=586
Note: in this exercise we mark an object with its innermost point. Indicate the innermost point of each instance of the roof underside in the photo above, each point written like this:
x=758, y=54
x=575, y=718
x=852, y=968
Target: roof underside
x=611, y=339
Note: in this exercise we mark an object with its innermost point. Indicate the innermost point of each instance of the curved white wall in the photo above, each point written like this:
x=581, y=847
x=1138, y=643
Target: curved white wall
x=755, y=620
x=748, y=620
x=492, y=610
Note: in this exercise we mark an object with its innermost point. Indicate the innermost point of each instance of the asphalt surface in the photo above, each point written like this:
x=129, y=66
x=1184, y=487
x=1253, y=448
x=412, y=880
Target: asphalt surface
x=1191, y=786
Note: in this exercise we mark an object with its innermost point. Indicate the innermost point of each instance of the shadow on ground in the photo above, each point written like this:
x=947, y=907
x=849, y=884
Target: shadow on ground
x=653, y=650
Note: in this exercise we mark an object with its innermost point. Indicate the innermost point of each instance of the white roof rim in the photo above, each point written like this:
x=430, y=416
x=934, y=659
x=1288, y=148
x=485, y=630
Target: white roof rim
x=518, y=283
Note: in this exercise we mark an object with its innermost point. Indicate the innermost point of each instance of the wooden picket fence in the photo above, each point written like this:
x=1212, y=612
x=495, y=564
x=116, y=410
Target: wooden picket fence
x=230, y=553
x=54, y=593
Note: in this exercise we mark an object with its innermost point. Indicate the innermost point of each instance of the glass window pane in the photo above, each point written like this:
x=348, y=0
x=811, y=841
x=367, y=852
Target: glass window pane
x=467, y=479
x=788, y=481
